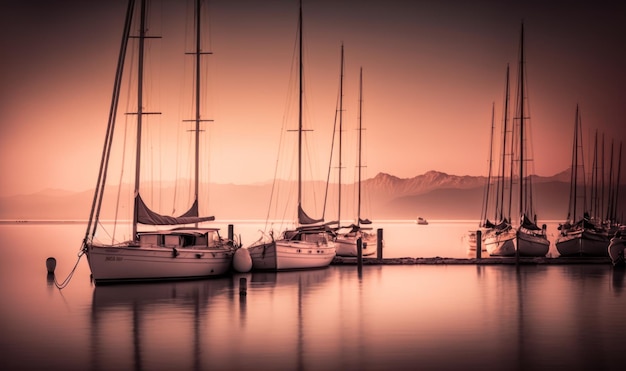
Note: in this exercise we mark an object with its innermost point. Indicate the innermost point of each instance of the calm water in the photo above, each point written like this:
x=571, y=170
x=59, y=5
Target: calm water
x=461, y=317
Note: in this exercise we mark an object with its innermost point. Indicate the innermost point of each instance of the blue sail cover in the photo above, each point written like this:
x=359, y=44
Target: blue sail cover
x=149, y=217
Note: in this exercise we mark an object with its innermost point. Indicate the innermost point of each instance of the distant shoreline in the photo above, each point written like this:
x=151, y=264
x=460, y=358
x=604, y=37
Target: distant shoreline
x=246, y=221
x=42, y=221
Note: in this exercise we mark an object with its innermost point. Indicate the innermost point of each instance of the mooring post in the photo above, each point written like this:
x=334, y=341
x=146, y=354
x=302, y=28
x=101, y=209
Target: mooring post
x=51, y=264
x=359, y=254
x=379, y=243
x=231, y=234
x=479, y=244
x=243, y=286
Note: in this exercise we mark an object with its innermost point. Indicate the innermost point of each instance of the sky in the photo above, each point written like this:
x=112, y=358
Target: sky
x=431, y=72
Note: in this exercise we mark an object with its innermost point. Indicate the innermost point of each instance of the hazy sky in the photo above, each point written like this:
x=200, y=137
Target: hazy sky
x=431, y=72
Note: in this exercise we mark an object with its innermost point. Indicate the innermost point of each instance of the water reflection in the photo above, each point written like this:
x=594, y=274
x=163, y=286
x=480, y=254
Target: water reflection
x=129, y=321
x=618, y=280
x=471, y=317
x=207, y=324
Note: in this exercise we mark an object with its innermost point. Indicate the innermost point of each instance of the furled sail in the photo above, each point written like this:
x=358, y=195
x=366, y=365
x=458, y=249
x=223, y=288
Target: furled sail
x=529, y=224
x=149, y=217
x=303, y=218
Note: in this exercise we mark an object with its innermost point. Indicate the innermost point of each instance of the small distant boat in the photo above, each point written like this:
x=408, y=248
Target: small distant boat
x=422, y=221
x=616, y=248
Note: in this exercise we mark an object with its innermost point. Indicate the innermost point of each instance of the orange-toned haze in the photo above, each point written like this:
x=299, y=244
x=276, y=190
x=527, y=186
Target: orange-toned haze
x=431, y=73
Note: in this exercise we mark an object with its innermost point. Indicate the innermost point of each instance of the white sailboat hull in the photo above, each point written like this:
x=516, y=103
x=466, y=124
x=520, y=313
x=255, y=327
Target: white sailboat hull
x=111, y=264
x=582, y=243
x=291, y=255
x=346, y=245
x=498, y=243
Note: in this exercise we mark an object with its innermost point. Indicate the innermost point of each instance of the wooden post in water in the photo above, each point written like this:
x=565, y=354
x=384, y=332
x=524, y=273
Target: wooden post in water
x=231, y=234
x=243, y=286
x=359, y=254
x=379, y=243
x=51, y=264
x=479, y=244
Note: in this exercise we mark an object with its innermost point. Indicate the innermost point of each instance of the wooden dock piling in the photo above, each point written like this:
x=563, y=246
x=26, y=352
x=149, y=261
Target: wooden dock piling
x=243, y=286
x=231, y=232
x=379, y=243
x=359, y=254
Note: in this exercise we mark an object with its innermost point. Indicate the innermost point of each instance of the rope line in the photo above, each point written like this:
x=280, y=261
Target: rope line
x=66, y=281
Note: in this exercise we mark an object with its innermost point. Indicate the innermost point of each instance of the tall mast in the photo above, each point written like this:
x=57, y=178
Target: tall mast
x=142, y=36
x=610, y=202
x=521, y=138
x=575, y=164
x=197, y=53
x=504, y=149
x=197, y=133
x=96, y=205
x=300, y=109
x=487, y=188
x=601, y=209
x=340, y=135
x=571, y=215
x=358, y=213
x=617, y=184
x=594, y=179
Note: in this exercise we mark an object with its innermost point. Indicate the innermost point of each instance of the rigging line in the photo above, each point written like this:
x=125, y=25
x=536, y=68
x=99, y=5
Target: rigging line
x=483, y=215
x=67, y=279
x=330, y=161
x=97, y=199
x=119, y=189
x=111, y=236
x=310, y=159
x=286, y=112
x=181, y=172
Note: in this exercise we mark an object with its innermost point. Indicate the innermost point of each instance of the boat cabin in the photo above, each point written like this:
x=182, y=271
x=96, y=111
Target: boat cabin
x=318, y=237
x=181, y=238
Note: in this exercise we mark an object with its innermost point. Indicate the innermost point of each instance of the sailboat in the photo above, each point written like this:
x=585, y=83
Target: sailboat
x=347, y=242
x=310, y=244
x=183, y=250
x=497, y=237
x=579, y=236
x=530, y=240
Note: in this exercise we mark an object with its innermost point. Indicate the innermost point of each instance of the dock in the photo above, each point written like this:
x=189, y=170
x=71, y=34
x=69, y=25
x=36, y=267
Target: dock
x=338, y=260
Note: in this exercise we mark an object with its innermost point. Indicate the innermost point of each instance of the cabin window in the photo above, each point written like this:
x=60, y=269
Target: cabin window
x=172, y=241
x=201, y=241
x=148, y=240
x=317, y=237
x=291, y=235
x=188, y=241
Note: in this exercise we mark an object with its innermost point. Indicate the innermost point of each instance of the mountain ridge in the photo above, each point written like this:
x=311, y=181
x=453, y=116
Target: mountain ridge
x=434, y=195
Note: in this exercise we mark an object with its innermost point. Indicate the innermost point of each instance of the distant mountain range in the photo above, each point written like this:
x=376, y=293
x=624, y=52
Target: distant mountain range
x=433, y=195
